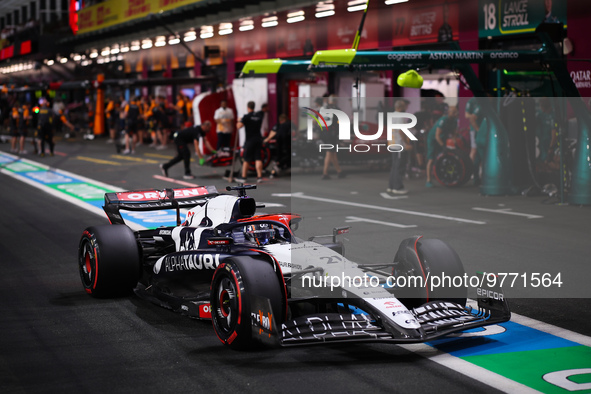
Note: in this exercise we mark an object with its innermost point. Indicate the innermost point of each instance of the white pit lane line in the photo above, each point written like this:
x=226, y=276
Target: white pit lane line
x=473, y=371
x=354, y=219
x=63, y=196
x=376, y=207
x=508, y=211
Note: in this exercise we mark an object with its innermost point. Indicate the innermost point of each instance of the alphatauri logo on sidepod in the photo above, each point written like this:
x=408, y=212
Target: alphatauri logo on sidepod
x=393, y=122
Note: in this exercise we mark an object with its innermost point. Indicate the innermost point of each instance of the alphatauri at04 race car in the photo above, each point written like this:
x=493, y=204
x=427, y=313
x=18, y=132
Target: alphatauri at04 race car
x=244, y=272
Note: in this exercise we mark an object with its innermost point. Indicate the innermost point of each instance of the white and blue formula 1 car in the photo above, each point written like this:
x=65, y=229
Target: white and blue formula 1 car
x=259, y=283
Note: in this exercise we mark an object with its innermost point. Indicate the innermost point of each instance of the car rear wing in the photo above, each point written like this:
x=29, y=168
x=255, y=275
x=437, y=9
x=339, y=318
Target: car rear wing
x=154, y=199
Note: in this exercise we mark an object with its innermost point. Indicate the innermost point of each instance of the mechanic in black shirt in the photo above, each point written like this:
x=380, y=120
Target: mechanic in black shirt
x=133, y=111
x=282, y=132
x=182, y=139
x=253, y=143
x=45, y=127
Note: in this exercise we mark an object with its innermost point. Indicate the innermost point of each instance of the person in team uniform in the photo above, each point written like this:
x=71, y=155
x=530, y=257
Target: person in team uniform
x=182, y=115
x=133, y=112
x=473, y=113
x=253, y=143
x=14, y=124
x=112, y=114
x=547, y=130
x=282, y=133
x=330, y=136
x=45, y=127
x=162, y=112
x=444, y=128
x=26, y=118
x=63, y=121
x=224, y=119
x=182, y=139
x=399, y=158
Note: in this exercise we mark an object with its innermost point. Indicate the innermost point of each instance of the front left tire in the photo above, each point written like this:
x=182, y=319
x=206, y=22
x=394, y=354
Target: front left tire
x=235, y=282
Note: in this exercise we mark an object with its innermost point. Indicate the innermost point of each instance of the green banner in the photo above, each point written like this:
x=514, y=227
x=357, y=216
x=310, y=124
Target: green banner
x=503, y=17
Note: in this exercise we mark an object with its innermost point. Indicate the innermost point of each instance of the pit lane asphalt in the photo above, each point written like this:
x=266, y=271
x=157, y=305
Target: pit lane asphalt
x=53, y=337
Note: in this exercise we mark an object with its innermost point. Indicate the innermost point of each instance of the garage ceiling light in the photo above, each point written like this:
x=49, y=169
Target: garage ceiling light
x=191, y=36
x=205, y=32
x=225, y=28
x=160, y=41
x=297, y=16
x=245, y=25
x=269, y=21
x=390, y=2
x=356, y=5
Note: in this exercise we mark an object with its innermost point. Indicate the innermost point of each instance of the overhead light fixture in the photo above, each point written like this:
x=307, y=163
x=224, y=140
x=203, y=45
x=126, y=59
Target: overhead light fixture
x=124, y=49
x=390, y=2
x=160, y=41
x=173, y=40
x=63, y=60
x=192, y=35
x=76, y=58
x=294, y=17
x=356, y=5
x=147, y=44
x=115, y=49
x=106, y=51
x=269, y=21
x=225, y=28
x=246, y=24
x=50, y=62
x=93, y=54
x=205, y=32
x=100, y=60
x=324, y=14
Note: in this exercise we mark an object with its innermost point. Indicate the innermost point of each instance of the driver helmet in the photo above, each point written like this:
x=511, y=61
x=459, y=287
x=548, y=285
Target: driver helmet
x=261, y=234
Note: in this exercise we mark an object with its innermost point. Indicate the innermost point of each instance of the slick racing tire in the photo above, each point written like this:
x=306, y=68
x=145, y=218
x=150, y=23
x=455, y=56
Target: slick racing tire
x=433, y=260
x=108, y=260
x=452, y=168
x=235, y=281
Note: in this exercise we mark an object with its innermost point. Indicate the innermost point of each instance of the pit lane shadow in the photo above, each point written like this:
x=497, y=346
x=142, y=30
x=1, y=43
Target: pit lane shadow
x=77, y=298
x=203, y=336
x=311, y=356
x=167, y=320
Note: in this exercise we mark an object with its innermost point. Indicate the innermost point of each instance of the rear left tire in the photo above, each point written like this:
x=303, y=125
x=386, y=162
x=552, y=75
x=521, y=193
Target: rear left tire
x=108, y=260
